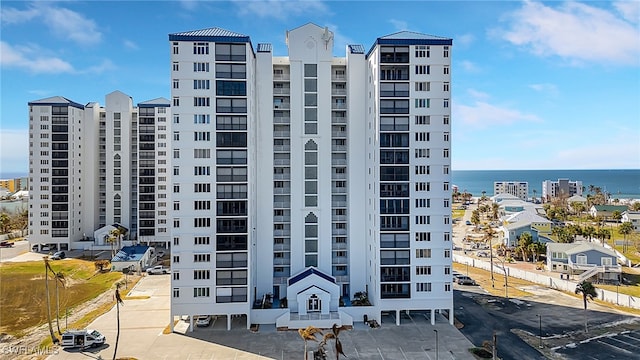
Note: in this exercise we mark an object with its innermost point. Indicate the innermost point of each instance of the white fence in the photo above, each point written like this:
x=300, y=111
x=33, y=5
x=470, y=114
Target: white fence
x=549, y=281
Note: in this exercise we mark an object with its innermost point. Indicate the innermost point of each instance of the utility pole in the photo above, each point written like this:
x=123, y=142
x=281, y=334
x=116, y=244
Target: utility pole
x=494, y=349
x=436, y=331
x=540, y=330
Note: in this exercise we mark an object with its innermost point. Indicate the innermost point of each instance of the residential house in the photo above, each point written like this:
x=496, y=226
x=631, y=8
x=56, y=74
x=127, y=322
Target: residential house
x=633, y=217
x=606, y=211
x=585, y=260
x=516, y=224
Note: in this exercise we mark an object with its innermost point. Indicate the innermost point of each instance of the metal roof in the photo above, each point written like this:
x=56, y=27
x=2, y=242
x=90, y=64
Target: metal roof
x=212, y=34
x=264, y=48
x=308, y=272
x=56, y=100
x=410, y=38
x=356, y=49
x=157, y=102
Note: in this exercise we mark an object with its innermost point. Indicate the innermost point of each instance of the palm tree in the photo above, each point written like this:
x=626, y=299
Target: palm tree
x=494, y=211
x=118, y=302
x=625, y=229
x=588, y=291
x=534, y=195
x=335, y=330
x=47, y=268
x=308, y=334
x=489, y=234
x=5, y=220
x=59, y=277
x=524, y=240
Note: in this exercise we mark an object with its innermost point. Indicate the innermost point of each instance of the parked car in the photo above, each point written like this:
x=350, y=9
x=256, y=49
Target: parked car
x=465, y=280
x=160, y=254
x=468, y=222
x=82, y=339
x=203, y=320
x=58, y=255
x=482, y=254
x=156, y=270
x=6, y=244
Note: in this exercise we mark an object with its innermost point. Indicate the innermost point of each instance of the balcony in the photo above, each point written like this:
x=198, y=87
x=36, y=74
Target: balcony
x=339, y=260
x=281, y=91
x=340, y=176
x=286, y=176
x=339, y=148
x=281, y=134
x=338, y=161
x=339, y=204
x=281, y=105
x=281, y=162
x=282, y=232
x=281, y=247
x=281, y=261
x=282, y=191
x=282, y=148
x=338, y=190
x=338, y=77
x=339, y=134
x=281, y=204
x=338, y=91
x=339, y=232
x=338, y=246
x=281, y=76
x=338, y=119
x=281, y=119
x=339, y=106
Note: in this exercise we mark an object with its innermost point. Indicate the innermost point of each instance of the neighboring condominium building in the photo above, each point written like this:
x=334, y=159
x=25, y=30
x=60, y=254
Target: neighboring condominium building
x=298, y=182
x=92, y=167
x=515, y=188
x=562, y=187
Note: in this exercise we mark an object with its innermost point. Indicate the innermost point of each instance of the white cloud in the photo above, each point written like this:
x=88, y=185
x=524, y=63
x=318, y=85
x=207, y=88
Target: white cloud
x=550, y=89
x=62, y=22
x=400, y=25
x=279, y=9
x=189, y=4
x=482, y=114
x=31, y=59
x=630, y=10
x=105, y=65
x=469, y=66
x=576, y=32
x=130, y=44
x=464, y=40
x=479, y=95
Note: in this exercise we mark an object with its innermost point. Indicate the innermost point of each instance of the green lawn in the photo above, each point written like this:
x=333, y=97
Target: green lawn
x=22, y=289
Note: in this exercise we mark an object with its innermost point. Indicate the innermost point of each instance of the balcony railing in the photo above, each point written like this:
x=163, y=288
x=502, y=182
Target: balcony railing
x=338, y=120
x=281, y=120
x=281, y=76
x=338, y=91
x=281, y=91
x=282, y=176
x=281, y=105
x=338, y=105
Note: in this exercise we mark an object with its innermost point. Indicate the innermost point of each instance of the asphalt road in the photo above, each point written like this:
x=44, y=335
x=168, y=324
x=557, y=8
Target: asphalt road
x=11, y=252
x=562, y=317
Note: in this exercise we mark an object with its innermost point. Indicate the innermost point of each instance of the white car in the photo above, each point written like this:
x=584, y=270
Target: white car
x=156, y=270
x=203, y=320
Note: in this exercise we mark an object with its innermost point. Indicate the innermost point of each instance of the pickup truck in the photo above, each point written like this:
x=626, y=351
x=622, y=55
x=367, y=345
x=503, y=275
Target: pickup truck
x=157, y=270
x=6, y=244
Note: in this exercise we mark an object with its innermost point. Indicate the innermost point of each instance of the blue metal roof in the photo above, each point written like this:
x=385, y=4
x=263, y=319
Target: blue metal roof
x=130, y=253
x=308, y=272
x=56, y=101
x=158, y=102
x=264, y=48
x=212, y=34
x=356, y=49
x=410, y=38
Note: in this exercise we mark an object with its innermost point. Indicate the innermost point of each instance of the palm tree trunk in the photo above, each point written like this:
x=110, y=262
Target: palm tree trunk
x=115, y=349
x=58, y=308
x=54, y=339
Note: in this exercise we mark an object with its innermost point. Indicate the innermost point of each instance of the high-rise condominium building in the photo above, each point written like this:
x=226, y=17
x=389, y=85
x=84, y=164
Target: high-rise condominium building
x=516, y=188
x=309, y=179
x=562, y=187
x=92, y=167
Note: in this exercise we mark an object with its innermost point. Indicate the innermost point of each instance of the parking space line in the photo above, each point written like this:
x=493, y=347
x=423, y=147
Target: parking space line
x=615, y=338
x=615, y=347
x=380, y=352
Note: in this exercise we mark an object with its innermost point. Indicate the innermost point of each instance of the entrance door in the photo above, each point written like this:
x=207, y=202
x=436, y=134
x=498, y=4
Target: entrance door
x=314, y=304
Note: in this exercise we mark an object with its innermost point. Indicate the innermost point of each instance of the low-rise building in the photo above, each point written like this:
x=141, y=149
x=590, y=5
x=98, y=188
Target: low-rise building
x=587, y=260
x=519, y=189
x=633, y=217
x=606, y=211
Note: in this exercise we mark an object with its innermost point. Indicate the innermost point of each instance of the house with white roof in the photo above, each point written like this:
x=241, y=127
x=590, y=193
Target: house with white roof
x=516, y=224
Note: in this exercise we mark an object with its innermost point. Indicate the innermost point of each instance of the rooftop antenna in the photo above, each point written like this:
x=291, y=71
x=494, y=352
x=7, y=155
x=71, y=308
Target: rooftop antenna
x=326, y=36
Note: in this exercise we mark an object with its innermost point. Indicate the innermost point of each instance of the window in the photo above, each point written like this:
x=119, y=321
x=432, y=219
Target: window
x=445, y=153
x=445, y=86
x=201, y=118
x=201, y=274
x=423, y=86
x=423, y=287
x=423, y=120
x=231, y=52
x=446, y=70
x=421, y=51
x=423, y=270
x=201, y=101
x=421, y=153
x=201, y=48
x=423, y=253
x=201, y=257
x=201, y=84
x=201, y=240
x=446, y=136
x=176, y=101
x=447, y=286
x=422, y=69
x=175, y=51
x=445, y=52
x=445, y=103
x=422, y=103
x=175, y=66
x=200, y=67
x=423, y=236
x=423, y=219
x=445, y=120
x=201, y=170
x=422, y=136
x=201, y=292
x=176, y=83
x=176, y=291
x=176, y=275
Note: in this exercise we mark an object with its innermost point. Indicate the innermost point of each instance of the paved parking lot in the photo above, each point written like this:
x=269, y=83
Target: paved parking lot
x=144, y=319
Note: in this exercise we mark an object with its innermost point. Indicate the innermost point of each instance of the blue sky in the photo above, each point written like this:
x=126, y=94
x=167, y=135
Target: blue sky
x=535, y=85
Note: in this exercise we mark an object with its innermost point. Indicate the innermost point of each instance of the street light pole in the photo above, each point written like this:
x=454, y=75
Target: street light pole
x=436, y=331
x=540, y=329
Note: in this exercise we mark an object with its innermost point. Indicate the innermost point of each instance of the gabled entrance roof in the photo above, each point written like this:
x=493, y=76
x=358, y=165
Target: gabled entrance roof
x=308, y=272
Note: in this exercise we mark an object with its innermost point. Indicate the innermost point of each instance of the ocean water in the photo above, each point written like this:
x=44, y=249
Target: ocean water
x=622, y=184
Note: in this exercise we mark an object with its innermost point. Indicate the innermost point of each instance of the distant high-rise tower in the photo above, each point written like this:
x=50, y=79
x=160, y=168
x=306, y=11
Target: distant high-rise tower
x=307, y=179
